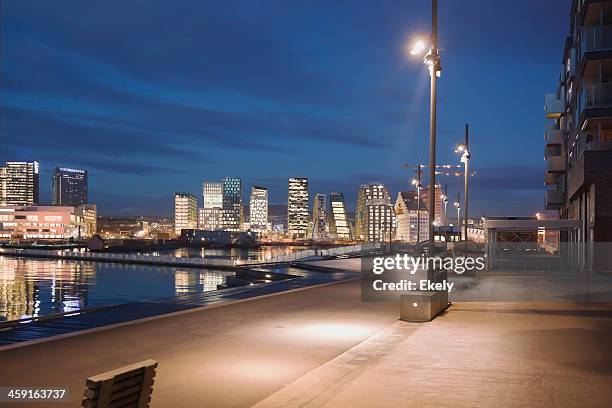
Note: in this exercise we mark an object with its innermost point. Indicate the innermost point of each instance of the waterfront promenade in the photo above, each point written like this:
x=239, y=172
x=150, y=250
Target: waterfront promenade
x=321, y=346
x=229, y=356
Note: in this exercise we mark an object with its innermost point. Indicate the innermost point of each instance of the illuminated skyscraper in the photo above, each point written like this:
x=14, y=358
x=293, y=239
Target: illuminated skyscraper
x=320, y=230
x=185, y=212
x=339, y=227
x=258, y=209
x=212, y=193
x=375, y=216
x=210, y=216
x=69, y=186
x=19, y=183
x=231, y=217
x=297, y=208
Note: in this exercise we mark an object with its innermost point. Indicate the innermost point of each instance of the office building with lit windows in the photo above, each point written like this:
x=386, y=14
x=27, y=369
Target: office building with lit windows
x=19, y=183
x=212, y=193
x=375, y=215
x=185, y=212
x=408, y=214
x=320, y=230
x=258, y=209
x=46, y=222
x=298, y=218
x=69, y=186
x=339, y=227
x=209, y=217
x=231, y=216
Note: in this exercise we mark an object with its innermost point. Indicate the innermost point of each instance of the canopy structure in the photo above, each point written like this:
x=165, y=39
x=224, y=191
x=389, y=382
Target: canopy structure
x=503, y=232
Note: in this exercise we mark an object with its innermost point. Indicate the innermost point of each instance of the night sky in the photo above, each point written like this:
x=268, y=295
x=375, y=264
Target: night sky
x=154, y=97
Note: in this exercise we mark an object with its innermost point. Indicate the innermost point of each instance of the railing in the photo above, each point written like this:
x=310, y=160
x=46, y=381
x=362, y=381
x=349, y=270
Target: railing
x=186, y=261
x=554, y=136
x=299, y=255
x=596, y=94
x=555, y=163
x=554, y=197
x=596, y=38
x=597, y=145
x=554, y=106
x=113, y=257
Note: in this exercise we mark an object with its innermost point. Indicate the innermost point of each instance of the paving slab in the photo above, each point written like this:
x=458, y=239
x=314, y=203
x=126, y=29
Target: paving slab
x=475, y=355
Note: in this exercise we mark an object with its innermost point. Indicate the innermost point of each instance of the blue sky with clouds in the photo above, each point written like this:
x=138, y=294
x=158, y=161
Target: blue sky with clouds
x=154, y=97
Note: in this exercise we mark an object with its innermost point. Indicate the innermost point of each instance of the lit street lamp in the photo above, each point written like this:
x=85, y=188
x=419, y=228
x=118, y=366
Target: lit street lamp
x=444, y=198
x=417, y=183
x=433, y=63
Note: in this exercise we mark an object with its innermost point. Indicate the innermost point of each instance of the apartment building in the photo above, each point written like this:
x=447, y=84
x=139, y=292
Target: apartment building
x=578, y=141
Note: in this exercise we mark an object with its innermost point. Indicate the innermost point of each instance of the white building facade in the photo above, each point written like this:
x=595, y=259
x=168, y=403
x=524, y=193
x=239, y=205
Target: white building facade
x=408, y=216
x=185, y=212
x=258, y=209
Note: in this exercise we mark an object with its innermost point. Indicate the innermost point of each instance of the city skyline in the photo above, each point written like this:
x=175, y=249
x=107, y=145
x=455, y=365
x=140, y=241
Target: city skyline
x=214, y=115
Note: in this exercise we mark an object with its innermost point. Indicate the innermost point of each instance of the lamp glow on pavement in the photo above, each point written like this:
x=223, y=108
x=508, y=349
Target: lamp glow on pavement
x=334, y=331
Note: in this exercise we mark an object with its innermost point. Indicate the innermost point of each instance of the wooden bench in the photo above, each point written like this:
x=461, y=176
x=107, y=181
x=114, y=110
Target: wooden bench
x=129, y=386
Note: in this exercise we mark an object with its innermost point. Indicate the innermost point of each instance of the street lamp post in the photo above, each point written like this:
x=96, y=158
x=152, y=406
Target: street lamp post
x=418, y=185
x=432, y=60
x=445, y=201
x=458, y=206
x=465, y=158
x=464, y=150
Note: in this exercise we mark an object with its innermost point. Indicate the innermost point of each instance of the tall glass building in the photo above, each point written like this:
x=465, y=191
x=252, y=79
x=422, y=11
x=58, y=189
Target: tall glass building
x=69, y=186
x=297, y=208
x=19, y=183
x=185, y=212
x=258, y=209
x=339, y=227
x=320, y=230
x=231, y=217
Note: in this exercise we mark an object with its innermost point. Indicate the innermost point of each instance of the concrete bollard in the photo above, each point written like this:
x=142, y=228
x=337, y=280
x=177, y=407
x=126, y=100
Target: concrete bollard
x=422, y=306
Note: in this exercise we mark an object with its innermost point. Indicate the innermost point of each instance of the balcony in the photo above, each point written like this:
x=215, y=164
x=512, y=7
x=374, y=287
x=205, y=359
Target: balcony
x=554, y=137
x=552, y=151
x=554, y=199
x=554, y=106
x=597, y=145
x=596, y=38
x=551, y=178
x=555, y=164
x=596, y=94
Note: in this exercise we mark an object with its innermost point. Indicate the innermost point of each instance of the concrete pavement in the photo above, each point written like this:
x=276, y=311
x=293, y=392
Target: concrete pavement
x=475, y=355
x=230, y=356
